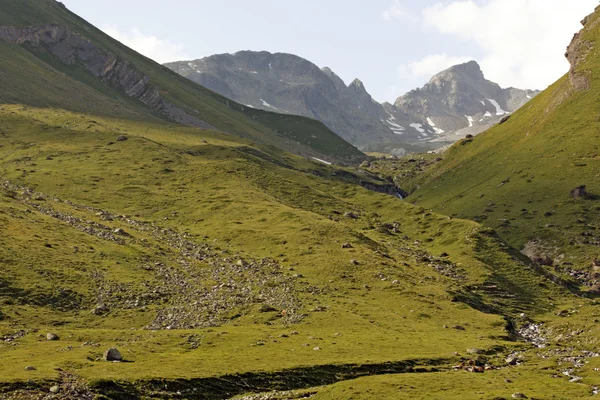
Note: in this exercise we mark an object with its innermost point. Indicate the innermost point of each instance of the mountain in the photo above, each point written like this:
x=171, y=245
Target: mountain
x=141, y=258
x=74, y=66
x=456, y=102
x=289, y=84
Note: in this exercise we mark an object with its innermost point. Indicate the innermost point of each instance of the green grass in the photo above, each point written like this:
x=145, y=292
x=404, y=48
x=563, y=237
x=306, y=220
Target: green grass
x=233, y=197
x=254, y=257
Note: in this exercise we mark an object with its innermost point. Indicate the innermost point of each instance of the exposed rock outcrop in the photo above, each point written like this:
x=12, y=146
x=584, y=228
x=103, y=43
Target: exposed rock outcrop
x=70, y=48
x=577, y=52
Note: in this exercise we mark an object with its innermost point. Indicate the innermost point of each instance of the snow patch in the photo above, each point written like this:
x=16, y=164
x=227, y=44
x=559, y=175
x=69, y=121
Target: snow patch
x=268, y=105
x=394, y=127
x=435, y=128
x=470, y=119
x=194, y=67
x=419, y=128
x=499, y=110
x=528, y=96
x=486, y=115
x=254, y=72
x=270, y=65
x=249, y=105
x=321, y=161
x=482, y=102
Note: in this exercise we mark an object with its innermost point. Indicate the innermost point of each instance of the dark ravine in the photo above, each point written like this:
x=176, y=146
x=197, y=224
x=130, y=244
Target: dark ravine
x=71, y=48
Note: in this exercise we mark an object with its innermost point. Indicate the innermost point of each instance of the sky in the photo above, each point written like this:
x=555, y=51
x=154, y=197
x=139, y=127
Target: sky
x=392, y=46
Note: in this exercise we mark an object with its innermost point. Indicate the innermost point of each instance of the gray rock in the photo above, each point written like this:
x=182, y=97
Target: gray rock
x=52, y=336
x=121, y=138
x=100, y=310
x=55, y=389
x=519, y=396
x=113, y=355
x=30, y=368
x=289, y=84
x=474, y=351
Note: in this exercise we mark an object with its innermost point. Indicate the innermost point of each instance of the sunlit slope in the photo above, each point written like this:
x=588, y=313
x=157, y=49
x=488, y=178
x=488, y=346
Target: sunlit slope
x=518, y=176
x=184, y=236
x=33, y=74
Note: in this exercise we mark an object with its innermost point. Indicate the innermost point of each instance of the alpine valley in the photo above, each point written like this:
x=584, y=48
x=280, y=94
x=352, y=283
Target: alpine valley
x=161, y=239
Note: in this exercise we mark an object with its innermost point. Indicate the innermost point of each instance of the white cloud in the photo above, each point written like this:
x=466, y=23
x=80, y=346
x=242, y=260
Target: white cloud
x=523, y=41
x=161, y=51
x=397, y=11
x=429, y=66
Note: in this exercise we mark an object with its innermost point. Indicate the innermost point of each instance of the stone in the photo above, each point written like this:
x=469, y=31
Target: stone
x=458, y=328
x=354, y=262
x=52, y=336
x=55, y=389
x=512, y=359
x=30, y=368
x=100, y=310
x=121, y=138
x=503, y=120
x=519, y=396
x=317, y=349
x=346, y=246
x=351, y=215
x=579, y=192
x=474, y=351
x=113, y=355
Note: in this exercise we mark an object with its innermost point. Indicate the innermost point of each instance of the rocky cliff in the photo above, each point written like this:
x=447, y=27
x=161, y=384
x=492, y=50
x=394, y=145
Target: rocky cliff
x=71, y=48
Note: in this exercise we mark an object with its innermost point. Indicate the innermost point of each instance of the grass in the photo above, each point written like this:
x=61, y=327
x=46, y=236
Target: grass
x=229, y=264
x=234, y=198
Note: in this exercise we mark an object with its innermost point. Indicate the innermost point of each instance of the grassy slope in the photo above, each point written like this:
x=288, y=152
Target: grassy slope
x=298, y=134
x=517, y=176
x=233, y=197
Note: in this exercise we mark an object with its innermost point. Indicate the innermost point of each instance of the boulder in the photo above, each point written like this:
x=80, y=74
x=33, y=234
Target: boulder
x=30, y=368
x=55, y=389
x=52, y=336
x=121, y=138
x=113, y=355
x=519, y=396
x=100, y=310
x=503, y=120
x=512, y=359
x=579, y=192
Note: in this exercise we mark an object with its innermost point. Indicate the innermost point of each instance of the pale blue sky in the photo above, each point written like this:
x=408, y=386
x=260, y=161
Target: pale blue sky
x=391, y=45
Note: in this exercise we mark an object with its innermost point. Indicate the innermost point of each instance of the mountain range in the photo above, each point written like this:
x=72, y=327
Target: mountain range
x=455, y=102
x=161, y=241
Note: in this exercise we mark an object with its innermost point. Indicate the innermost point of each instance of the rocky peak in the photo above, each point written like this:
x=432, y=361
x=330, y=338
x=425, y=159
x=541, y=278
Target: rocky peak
x=357, y=85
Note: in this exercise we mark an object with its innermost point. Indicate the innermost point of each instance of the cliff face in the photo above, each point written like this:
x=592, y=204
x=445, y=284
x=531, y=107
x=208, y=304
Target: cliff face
x=71, y=48
x=578, y=51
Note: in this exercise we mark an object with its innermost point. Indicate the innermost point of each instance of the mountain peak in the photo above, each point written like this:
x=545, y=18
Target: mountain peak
x=470, y=69
x=357, y=84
